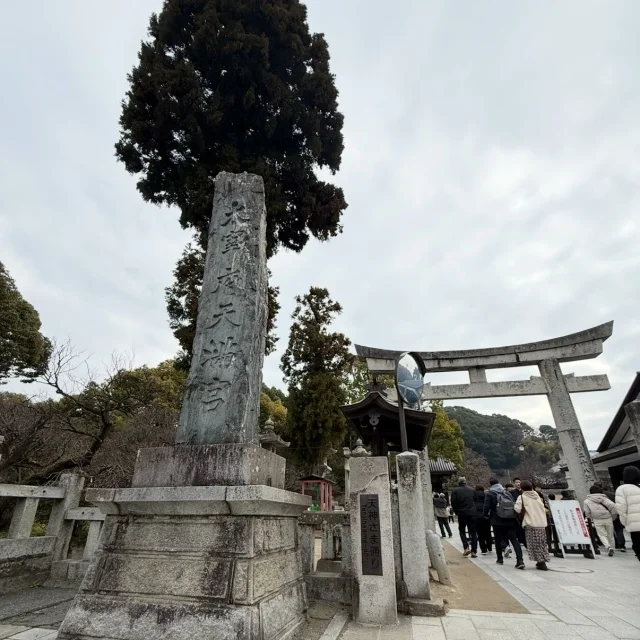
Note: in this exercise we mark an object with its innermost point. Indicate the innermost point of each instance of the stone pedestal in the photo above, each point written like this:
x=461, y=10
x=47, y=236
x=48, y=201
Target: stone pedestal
x=208, y=465
x=375, y=599
x=190, y=563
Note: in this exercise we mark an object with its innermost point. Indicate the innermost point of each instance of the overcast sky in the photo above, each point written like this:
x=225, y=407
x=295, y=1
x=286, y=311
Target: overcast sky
x=491, y=169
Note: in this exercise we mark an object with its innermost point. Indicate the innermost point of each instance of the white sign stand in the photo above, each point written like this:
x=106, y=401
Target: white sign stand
x=570, y=524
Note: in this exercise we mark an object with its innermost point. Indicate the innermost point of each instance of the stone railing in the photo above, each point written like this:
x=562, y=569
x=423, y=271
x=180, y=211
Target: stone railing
x=28, y=560
x=332, y=578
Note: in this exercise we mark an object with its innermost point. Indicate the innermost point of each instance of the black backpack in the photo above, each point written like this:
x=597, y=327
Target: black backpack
x=505, y=507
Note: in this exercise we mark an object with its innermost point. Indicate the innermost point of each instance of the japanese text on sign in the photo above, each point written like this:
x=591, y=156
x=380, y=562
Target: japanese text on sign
x=569, y=521
x=370, y=535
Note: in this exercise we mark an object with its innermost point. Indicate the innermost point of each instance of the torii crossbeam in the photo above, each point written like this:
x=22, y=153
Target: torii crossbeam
x=547, y=356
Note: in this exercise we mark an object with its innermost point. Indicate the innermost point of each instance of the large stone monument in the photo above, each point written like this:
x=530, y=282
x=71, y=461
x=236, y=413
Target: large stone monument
x=205, y=543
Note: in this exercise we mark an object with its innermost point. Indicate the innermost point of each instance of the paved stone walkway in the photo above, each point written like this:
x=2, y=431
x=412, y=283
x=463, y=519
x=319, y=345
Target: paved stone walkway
x=11, y=632
x=578, y=599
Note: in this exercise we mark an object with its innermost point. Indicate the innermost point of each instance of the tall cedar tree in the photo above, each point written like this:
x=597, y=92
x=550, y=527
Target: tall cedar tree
x=23, y=349
x=233, y=85
x=315, y=365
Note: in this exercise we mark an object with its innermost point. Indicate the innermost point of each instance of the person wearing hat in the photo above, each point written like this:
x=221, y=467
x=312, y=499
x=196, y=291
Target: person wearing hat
x=464, y=506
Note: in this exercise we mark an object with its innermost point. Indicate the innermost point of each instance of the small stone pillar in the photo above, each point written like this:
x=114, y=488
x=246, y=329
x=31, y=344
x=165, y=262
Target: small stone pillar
x=633, y=413
x=372, y=541
x=24, y=513
x=438, y=559
x=326, y=550
x=427, y=490
x=347, y=479
x=574, y=447
x=415, y=559
x=57, y=526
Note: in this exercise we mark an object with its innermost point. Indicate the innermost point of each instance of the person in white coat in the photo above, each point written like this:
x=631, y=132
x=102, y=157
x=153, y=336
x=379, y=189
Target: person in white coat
x=628, y=505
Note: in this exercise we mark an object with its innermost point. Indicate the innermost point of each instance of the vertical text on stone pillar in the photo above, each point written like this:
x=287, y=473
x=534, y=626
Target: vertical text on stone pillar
x=370, y=535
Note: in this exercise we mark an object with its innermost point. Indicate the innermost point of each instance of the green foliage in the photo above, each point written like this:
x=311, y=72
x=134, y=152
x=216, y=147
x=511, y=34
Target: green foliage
x=274, y=409
x=446, y=436
x=236, y=85
x=275, y=394
x=182, y=302
x=315, y=364
x=495, y=437
x=548, y=433
x=317, y=424
x=23, y=349
x=358, y=380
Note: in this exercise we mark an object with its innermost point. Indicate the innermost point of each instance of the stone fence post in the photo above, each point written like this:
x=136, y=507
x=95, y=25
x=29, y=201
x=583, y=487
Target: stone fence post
x=59, y=527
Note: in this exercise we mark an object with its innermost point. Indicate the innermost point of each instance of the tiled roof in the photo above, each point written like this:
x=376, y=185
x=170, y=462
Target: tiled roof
x=442, y=465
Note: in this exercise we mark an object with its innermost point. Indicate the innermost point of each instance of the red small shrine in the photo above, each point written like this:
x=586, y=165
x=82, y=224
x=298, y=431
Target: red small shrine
x=320, y=489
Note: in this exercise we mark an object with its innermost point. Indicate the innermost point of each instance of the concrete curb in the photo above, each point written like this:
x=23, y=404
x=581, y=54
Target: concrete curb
x=336, y=626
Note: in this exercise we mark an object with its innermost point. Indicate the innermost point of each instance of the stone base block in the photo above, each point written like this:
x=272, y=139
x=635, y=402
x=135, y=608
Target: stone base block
x=65, y=571
x=329, y=587
x=95, y=616
x=208, y=465
x=424, y=608
x=329, y=566
x=193, y=563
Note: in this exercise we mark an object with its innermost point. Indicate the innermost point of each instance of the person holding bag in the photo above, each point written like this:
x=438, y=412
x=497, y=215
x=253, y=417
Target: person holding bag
x=531, y=513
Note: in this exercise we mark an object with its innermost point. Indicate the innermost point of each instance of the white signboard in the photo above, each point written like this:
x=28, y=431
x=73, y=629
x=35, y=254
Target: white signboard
x=570, y=523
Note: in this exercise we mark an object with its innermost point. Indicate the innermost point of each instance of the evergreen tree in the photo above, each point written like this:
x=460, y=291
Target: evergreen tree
x=446, y=436
x=233, y=85
x=23, y=349
x=315, y=365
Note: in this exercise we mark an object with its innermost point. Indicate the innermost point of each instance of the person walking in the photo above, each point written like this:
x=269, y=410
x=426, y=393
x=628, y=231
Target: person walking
x=628, y=505
x=602, y=513
x=500, y=509
x=516, y=492
x=533, y=516
x=442, y=513
x=483, y=528
x=464, y=506
x=618, y=529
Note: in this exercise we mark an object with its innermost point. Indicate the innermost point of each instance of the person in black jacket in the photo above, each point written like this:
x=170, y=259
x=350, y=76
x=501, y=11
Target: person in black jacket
x=440, y=509
x=516, y=491
x=503, y=528
x=464, y=506
x=483, y=527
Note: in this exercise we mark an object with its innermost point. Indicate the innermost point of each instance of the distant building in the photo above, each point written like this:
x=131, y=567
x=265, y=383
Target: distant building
x=618, y=449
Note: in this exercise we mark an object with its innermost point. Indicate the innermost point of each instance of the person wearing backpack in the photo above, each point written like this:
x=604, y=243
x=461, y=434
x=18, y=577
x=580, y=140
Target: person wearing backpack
x=499, y=507
x=628, y=505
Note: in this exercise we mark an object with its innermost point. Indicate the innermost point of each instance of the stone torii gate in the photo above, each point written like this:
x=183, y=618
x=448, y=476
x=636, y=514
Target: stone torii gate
x=547, y=356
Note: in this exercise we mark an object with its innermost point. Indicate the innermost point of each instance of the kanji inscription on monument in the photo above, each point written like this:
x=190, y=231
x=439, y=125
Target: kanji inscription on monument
x=223, y=390
x=370, y=542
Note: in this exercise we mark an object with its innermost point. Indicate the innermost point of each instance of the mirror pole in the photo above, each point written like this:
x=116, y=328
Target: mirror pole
x=404, y=444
